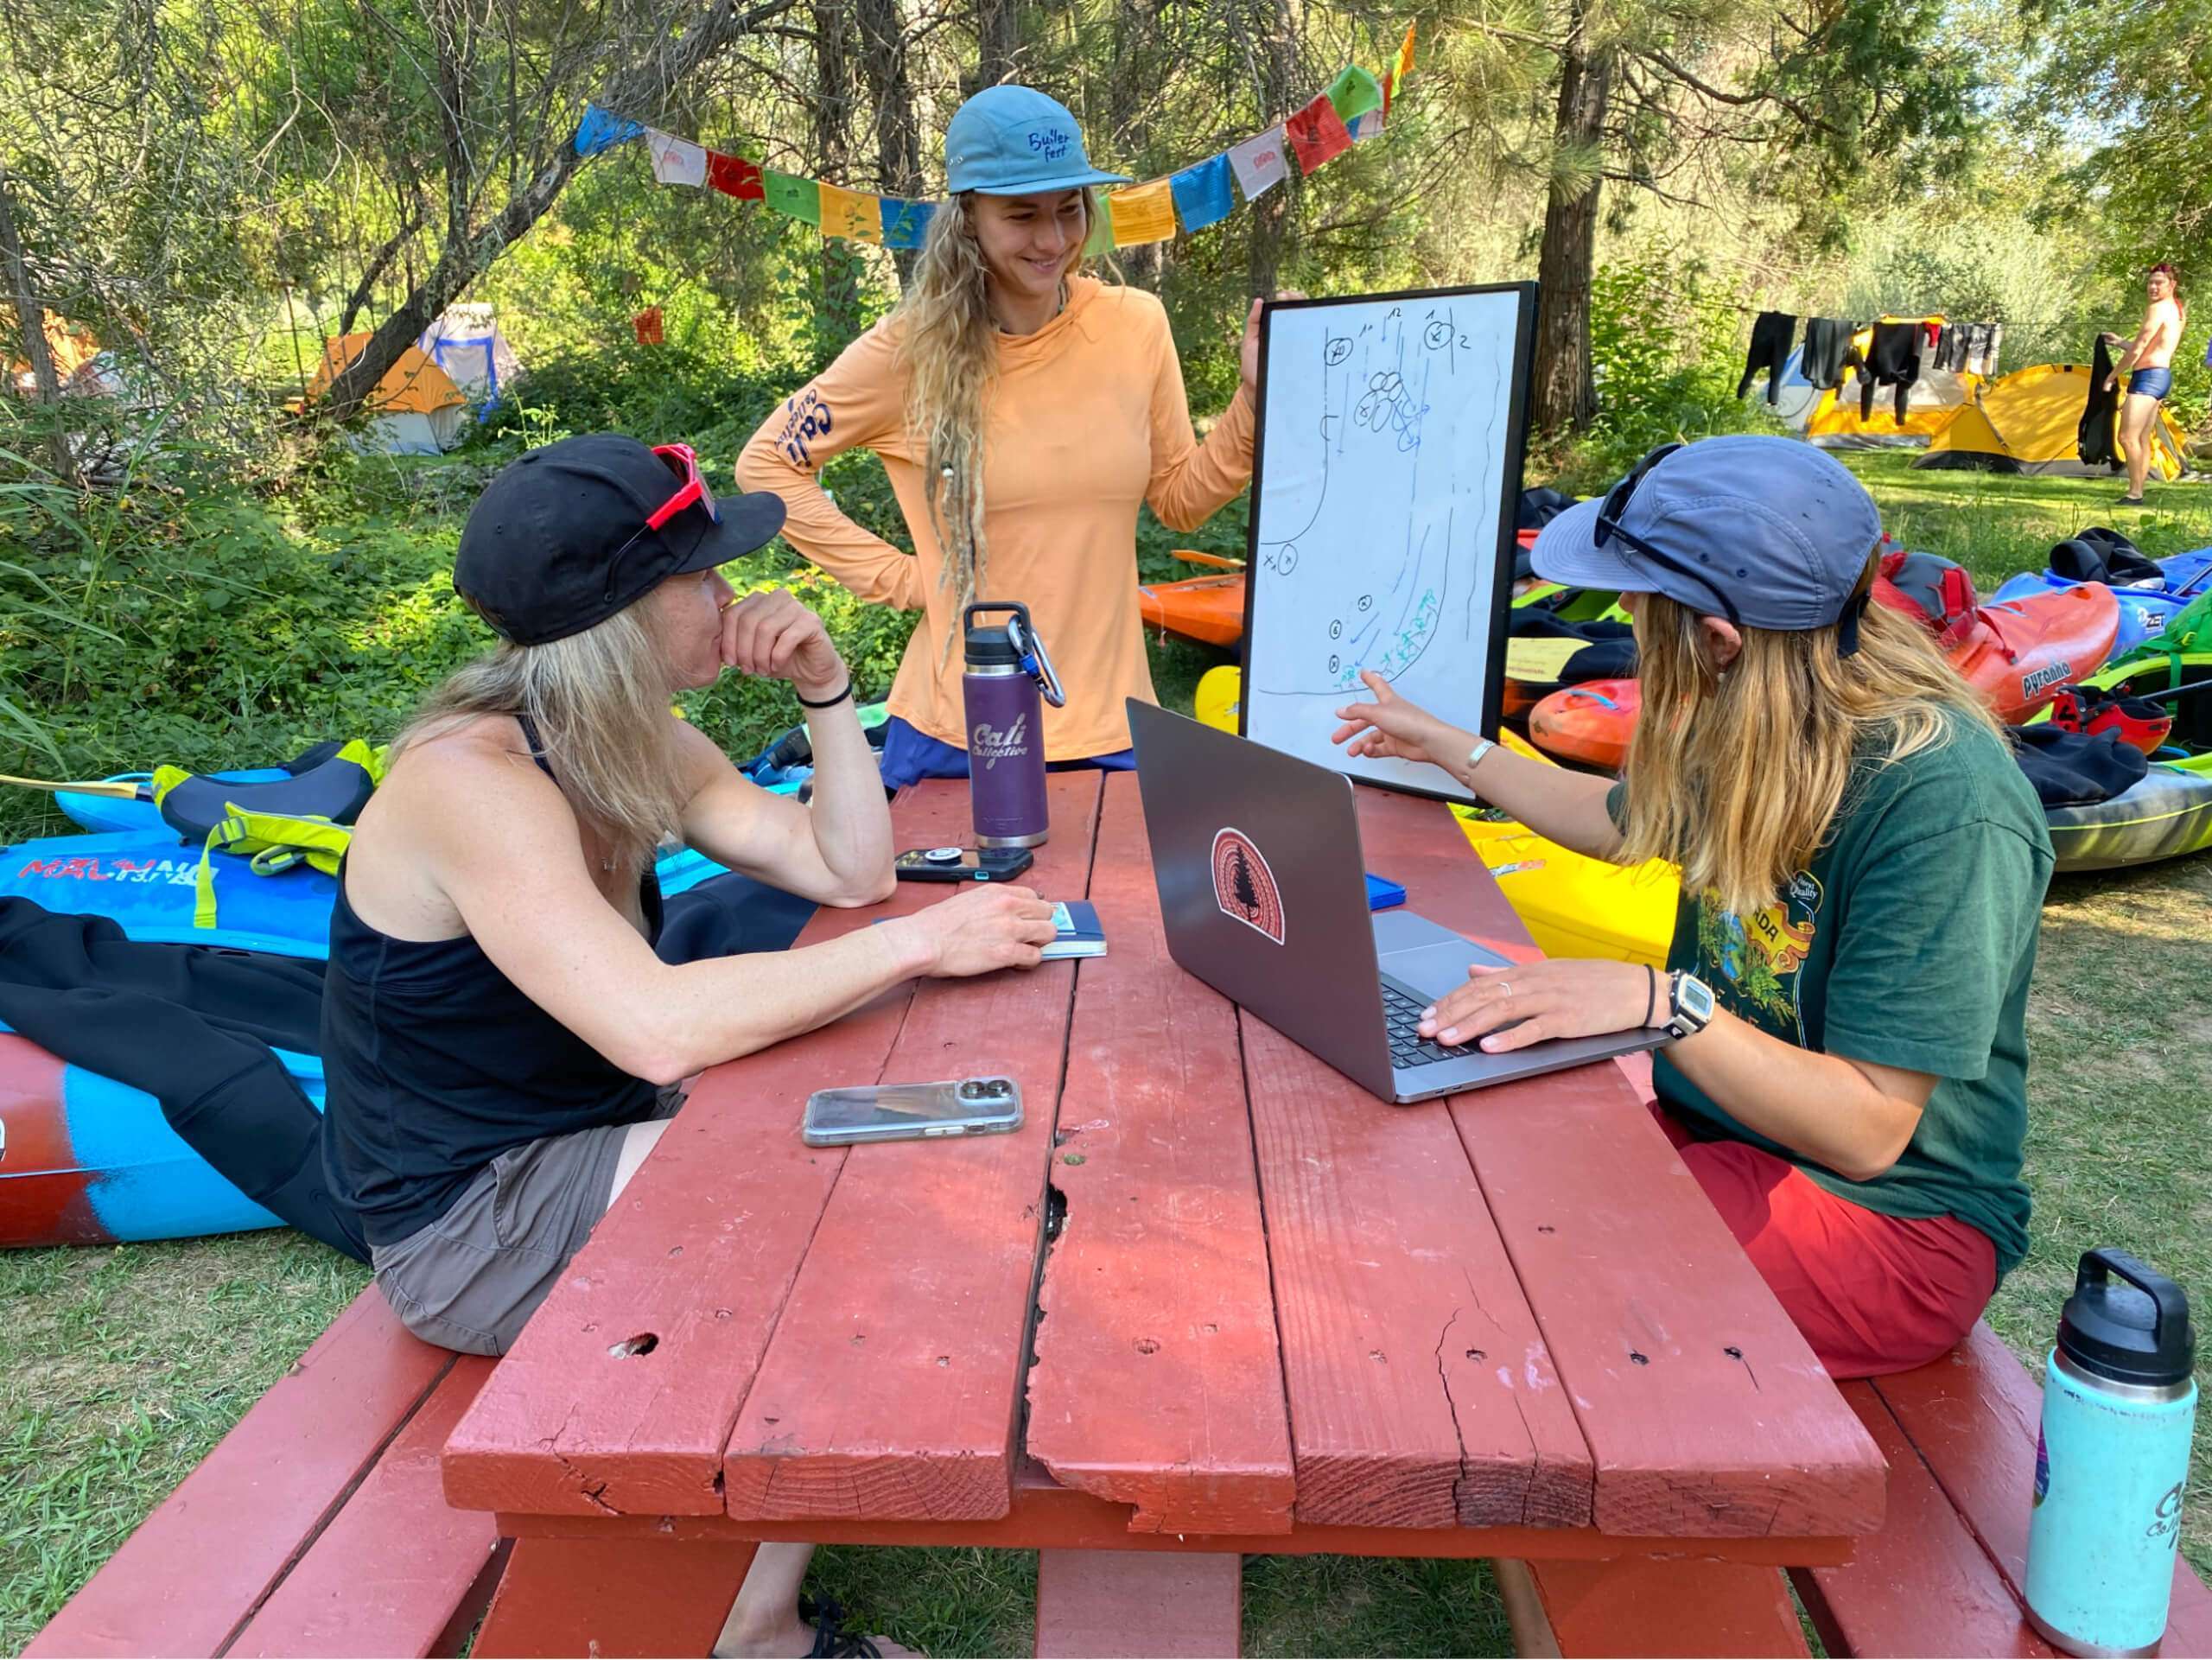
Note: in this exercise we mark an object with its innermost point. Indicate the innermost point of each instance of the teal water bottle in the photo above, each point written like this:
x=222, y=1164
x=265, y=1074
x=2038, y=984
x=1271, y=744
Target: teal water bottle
x=2119, y=1403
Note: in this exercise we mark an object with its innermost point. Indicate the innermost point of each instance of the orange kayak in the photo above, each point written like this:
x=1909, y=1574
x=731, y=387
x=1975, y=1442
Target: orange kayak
x=1589, y=725
x=1209, y=609
x=2018, y=653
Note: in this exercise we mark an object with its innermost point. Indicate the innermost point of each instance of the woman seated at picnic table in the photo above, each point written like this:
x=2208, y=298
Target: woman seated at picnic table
x=1023, y=411
x=502, y=1046
x=1863, y=870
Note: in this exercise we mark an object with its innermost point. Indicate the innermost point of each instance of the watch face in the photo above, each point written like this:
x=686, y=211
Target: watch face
x=1697, y=998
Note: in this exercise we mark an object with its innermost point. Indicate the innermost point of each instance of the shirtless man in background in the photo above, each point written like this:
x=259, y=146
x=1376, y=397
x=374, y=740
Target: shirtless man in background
x=2148, y=365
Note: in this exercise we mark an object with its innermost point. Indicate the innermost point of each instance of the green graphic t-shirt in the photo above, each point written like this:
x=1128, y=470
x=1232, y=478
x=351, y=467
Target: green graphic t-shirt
x=1907, y=941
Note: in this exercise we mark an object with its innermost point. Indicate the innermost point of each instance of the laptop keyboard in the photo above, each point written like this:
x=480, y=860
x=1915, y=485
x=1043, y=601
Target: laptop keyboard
x=1402, y=1013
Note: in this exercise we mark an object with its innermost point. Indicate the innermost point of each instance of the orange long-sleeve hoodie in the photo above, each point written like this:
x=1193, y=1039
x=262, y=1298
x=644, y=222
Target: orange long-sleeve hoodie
x=1085, y=419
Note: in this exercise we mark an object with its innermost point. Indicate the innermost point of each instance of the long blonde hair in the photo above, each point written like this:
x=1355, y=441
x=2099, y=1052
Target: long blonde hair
x=950, y=345
x=600, y=701
x=1737, y=775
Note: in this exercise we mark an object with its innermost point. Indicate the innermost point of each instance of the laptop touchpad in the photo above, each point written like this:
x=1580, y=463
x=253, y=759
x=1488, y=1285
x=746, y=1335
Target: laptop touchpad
x=1429, y=959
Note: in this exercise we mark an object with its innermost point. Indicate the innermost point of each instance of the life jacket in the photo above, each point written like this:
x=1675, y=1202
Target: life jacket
x=1932, y=590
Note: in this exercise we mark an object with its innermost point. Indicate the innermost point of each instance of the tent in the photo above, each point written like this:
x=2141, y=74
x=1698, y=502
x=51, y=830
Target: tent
x=70, y=345
x=416, y=408
x=2030, y=422
x=467, y=343
x=1832, y=419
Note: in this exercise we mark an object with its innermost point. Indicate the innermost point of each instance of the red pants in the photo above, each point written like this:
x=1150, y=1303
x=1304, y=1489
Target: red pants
x=1872, y=1293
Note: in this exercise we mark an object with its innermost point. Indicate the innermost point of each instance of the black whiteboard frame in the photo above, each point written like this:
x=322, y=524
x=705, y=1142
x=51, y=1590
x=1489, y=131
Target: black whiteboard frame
x=1509, y=483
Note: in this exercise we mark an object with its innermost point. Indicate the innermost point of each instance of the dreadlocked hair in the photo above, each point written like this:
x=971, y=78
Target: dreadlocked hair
x=950, y=348
x=1737, y=775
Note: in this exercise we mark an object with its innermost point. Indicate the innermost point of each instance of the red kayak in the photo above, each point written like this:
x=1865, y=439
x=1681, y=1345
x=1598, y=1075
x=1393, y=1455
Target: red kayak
x=2017, y=654
x=1589, y=725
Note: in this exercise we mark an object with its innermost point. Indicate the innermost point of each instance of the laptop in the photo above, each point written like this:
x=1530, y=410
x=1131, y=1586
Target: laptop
x=1263, y=890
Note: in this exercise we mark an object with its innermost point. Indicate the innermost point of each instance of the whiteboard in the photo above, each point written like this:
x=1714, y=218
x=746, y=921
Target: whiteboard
x=1386, y=473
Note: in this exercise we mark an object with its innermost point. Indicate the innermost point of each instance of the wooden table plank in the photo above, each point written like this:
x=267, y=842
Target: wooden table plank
x=389, y=1574
x=1157, y=1380
x=620, y=1394
x=894, y=1380
x=184, y=1580
x=1420, y=1393
x=1704, y=1408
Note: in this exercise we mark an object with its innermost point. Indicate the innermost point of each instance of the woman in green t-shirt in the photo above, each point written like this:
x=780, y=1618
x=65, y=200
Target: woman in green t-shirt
x=1863, y=870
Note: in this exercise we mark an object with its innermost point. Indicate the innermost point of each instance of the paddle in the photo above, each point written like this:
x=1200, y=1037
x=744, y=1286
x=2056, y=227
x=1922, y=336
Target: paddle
x=89, y=786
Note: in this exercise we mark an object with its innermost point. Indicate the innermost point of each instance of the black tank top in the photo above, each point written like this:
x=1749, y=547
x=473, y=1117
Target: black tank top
x=436, y=1063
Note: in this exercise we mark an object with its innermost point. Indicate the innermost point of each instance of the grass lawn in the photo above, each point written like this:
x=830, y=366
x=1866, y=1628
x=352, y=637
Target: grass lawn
x=123, y=1366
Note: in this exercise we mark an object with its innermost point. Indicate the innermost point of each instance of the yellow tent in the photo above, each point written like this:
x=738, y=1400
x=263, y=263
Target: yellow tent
x=416, y=409
x=1834, y=423
x=2030, y=422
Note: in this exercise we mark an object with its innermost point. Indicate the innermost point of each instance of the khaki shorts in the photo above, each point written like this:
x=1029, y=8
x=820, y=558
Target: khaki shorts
x=470, y=1279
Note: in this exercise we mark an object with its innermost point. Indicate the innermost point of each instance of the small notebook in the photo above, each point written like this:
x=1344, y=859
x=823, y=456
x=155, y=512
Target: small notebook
x=1079, y=932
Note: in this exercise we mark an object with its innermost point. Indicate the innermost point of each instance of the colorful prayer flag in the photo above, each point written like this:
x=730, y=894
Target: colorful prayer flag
x=1404, y=66
x=1101, y=240
x=1143, y=212
x=1317, y=134
x=734, y=176
x=602, y=129
x=905, y=223
x=849, y=214
x=1366, y=127
x=1259, y=165
x=1353, y=93
x=676, y=161
x=1202, y=193
x=800, y=199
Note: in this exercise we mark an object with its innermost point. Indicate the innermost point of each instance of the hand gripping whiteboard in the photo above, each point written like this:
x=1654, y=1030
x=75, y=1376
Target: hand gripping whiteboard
x=1386, y=474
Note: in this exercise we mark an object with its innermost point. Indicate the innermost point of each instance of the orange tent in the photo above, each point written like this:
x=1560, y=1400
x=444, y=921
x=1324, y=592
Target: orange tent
x=415, y=408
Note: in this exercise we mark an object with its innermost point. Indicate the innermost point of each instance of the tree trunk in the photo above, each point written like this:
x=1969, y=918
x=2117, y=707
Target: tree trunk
x=643, y=86
x=998, y=42
x=1565, y=394
x=837, y=305
x=31, y=313
x=891, y=94
x=1271, y=213
x=1126, y=119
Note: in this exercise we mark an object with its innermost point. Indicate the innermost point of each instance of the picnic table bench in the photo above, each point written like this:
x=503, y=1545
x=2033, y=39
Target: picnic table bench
x=1210, y=1299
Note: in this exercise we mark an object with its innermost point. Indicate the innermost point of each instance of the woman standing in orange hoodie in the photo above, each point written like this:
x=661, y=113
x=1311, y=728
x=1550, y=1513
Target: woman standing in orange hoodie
x=1023, y=411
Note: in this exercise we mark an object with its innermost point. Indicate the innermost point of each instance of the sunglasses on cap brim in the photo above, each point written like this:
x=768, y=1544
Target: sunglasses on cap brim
x=691, y=491
x=1609, y=527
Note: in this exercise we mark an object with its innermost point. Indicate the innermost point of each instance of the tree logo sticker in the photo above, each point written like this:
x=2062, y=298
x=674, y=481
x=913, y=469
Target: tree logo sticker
x=1243, y=887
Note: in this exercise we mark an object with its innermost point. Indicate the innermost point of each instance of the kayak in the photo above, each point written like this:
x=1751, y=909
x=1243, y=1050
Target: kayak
x=2168, y=814
x=1210, y=610
x=1589, y=725
x=2019, y=654
x=2143, y=611
x=90, y=1162
x=1571, y=904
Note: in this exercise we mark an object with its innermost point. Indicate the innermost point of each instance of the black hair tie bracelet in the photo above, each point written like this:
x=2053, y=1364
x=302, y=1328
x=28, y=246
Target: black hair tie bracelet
x=827, y=703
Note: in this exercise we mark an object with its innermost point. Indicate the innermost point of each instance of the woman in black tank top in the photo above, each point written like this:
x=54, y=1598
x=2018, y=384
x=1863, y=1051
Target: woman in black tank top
x=501, y=1043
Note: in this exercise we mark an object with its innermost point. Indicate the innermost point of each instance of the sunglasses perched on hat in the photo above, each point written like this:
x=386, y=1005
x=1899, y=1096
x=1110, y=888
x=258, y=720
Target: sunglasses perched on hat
x=566, y=536
x=1609, y=528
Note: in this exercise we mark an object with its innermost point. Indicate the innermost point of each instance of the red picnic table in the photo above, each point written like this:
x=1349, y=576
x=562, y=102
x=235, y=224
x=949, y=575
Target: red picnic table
x=1211, y=1298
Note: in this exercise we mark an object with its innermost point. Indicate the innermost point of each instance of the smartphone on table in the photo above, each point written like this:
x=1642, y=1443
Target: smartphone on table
x=890, y=1112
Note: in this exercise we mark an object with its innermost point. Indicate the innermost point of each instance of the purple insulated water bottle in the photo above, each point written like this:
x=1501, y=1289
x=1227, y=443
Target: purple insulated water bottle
x=1008, y=681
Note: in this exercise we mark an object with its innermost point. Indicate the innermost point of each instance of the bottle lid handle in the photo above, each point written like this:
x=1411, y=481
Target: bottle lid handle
x=2168, y=1303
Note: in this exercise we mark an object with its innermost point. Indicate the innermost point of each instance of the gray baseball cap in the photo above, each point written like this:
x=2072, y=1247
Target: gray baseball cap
x=1770, y=532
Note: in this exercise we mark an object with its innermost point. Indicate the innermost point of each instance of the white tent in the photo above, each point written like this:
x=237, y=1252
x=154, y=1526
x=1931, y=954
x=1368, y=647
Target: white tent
x=466, y=343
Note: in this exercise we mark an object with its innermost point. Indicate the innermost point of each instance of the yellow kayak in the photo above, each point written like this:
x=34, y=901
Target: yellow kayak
x=1573, y=905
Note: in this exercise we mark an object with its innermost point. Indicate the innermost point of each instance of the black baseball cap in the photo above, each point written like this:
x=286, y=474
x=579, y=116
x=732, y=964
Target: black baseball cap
x=558, y=540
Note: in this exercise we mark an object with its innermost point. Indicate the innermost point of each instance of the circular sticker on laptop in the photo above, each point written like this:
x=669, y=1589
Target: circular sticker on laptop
x=1243, y=887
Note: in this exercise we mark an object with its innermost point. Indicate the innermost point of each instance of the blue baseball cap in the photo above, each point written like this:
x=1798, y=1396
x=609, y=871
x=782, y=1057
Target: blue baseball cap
x=1770, y=532
x=1013, y=140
